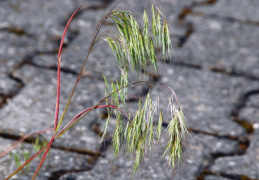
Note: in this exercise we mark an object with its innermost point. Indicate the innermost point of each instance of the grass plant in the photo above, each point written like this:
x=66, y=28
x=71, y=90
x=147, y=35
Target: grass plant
x=135, y=47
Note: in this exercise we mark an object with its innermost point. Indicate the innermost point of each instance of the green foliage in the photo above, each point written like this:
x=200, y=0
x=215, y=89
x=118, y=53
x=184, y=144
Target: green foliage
x=39, y=143
x=177, y=131
x=135, y=48
x=17, y=159
x=23, y=153
x=21, y=156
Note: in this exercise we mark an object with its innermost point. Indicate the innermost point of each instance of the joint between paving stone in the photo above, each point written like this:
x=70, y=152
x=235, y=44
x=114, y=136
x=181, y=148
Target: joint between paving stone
x=224, y=175
x=10, y=134
x=214, y=70
x=189, y=26
x=223, y=18
x=17, y=31
x=243, y=143
x=9, y=95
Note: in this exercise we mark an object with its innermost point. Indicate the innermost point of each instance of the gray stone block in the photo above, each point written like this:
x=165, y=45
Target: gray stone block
x=14, y=49
x=222, y=45
x=207, y=98
x=245, y=165
x=36, y=18
x=33, y=108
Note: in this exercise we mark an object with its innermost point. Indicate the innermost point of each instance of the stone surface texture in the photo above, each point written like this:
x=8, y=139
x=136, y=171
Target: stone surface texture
x=214, y=71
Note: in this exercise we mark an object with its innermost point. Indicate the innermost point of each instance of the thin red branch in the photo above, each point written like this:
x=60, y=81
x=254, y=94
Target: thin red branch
x=43, y=158
x=59, y=66
x=81, y=113
x=14, y=145
x=58, y=93
x=27, y=162
x=65, y=30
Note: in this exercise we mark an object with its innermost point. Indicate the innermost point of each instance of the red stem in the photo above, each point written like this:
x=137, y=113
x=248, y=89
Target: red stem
x=58, y=93
x=14, y=145
x=24, y=164
x=65, y=30
x=59, y=66
x=84, y=111
x=43, y=158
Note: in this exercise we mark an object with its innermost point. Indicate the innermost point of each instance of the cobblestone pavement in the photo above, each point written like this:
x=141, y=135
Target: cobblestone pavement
x=214, y=71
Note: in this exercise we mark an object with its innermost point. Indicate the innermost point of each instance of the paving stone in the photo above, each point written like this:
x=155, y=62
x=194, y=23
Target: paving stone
x=238, y=9
x=247, y=164
x=14, y=48
x=207, y=98
x=33, y=108
x=198, y=154
x=154, y=166
x=234, y=50
x=57, y=161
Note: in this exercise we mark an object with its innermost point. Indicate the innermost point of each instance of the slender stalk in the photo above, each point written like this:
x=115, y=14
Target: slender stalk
x=67, y=127
x=43, y=158
x=59, y=66
x=58, y=95
x=82, y=68
x=24, y=164
x=68, y=102
x=14, y=145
